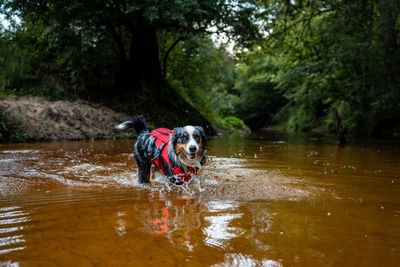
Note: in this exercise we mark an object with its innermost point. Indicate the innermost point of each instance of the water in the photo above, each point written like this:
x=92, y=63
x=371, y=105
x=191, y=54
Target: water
x=261, y=200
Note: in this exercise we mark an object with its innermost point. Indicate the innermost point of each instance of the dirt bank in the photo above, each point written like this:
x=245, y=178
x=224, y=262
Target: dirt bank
x=35, y=119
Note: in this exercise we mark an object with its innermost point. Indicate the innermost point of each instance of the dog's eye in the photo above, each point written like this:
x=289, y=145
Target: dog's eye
x=196, y=137
x=184, y=137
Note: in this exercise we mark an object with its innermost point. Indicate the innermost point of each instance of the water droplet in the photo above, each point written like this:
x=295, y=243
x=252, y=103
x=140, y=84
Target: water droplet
x=329, y=214
x=281, y=233
x=382, y=207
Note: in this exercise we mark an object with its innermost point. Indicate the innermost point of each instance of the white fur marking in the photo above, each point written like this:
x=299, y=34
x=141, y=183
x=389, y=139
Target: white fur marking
x=122, y=126
x=190, y=130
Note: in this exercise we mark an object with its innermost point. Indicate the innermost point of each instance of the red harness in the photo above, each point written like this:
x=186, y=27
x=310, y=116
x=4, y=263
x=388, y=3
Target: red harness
x=162, y=141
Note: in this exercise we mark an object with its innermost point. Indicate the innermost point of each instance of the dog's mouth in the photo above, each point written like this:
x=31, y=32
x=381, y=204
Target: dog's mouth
x=191, y=155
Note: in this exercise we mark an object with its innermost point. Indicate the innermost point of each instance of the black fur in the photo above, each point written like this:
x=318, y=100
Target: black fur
x=138, y=123
x=146, y=149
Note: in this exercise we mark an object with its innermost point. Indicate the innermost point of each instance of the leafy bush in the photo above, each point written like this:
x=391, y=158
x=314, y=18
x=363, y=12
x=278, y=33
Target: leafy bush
x=204, y=76
x=8, y=132
x=22, y=70
x=232, y=124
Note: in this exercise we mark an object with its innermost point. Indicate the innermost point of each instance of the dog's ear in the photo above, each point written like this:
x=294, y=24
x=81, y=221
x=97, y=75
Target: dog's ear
x=173, y=138
x=200, y=130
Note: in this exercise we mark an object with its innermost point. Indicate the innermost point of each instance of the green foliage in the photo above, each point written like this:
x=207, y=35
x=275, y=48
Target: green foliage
x=329, y=53
x=22, y=67
x=109, y=51
x=15, y=66
x=232, y=124
x=204, y=75
x=314, y=55
x=129, y=135
x=259, y=97
x=8, y=132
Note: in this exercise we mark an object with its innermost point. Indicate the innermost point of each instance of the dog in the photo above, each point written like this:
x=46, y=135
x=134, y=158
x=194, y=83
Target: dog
x=178, y=154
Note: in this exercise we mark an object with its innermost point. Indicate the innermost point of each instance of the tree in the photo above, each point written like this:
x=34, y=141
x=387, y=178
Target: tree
x=131, y=29
x=204, y=73
x=329, y=54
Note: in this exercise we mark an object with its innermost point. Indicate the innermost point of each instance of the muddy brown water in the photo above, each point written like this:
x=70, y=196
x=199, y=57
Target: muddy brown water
x=261, y=200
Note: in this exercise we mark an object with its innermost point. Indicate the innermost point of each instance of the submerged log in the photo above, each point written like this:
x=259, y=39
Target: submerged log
x=338, y=126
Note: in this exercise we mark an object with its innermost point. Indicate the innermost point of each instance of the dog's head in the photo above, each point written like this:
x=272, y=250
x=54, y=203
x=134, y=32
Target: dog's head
x=189, y=143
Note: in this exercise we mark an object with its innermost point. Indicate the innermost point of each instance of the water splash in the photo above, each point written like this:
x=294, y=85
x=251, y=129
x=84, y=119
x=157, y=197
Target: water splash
x=191, y=187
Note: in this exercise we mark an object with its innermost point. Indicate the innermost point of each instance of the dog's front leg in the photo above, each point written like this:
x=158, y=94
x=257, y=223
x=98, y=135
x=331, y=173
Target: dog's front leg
x=152, y=171
x=144, y=173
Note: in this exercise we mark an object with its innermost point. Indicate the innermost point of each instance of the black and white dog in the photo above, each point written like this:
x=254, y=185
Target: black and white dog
x=178, y=153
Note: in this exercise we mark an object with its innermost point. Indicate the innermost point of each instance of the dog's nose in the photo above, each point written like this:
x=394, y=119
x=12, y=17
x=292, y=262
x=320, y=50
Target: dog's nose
x=192, y=149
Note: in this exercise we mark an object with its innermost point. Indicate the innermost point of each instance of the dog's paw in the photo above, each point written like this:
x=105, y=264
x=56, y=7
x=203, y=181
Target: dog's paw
x=144, y=184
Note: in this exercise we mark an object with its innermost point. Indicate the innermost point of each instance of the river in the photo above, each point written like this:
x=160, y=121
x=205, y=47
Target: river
x=264, y=199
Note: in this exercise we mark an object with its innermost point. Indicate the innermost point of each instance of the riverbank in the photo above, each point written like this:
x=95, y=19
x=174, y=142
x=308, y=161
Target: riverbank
x=32, y=119
x=28, y=118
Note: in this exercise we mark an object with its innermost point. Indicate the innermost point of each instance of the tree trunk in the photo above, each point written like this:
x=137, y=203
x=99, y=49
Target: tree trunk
x=145, y=64
x=143, y=89
x=338, y=126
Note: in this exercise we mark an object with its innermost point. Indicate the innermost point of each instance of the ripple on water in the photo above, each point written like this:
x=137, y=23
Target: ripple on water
x=222, y=213
x=238, y=259
x=20, y=151
x=232, y=179
x=225, y=178
x=12, y=224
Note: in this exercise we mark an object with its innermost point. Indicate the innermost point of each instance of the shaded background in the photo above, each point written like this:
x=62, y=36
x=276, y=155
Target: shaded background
x=226, y=65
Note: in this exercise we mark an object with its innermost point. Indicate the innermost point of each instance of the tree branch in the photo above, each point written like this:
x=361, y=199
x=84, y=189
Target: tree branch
x=165, y=56
x=307, y=19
